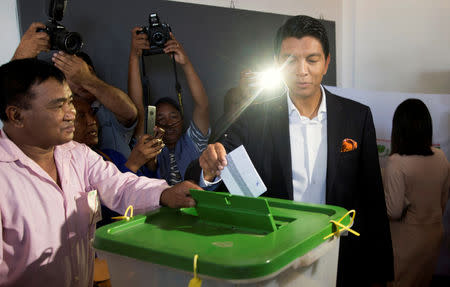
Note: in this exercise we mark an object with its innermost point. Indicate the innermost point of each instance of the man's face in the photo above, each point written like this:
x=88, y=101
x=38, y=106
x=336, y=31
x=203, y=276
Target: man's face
x=305, y=67
x=169, y=118
x=86, y=127
x=50, y=120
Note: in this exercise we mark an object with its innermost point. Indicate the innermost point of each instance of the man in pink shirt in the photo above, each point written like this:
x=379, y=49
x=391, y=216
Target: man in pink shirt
x=50, y=186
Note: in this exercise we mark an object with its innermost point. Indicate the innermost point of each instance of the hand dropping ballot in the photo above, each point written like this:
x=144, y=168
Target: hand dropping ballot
x=240, y=175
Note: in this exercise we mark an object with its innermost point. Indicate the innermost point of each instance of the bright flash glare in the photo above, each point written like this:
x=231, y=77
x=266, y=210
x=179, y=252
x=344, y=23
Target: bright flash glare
x=269, y=79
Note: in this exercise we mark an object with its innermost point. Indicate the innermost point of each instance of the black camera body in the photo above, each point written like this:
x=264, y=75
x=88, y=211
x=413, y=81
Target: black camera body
x=60, y=38
x=158, y=34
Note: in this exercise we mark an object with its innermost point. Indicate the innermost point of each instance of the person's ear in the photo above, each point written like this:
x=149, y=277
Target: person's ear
x=15, y=116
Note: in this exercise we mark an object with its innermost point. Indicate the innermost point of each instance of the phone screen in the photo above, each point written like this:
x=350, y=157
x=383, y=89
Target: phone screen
x=150, y=123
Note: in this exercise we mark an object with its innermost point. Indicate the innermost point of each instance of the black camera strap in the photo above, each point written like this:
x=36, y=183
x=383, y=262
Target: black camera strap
x=177, y=86
x=146, y=82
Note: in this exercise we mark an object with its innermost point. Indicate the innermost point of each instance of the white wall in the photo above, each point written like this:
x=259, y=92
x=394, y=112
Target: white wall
x=402, y=45
x=9, y=38
x=326, y=9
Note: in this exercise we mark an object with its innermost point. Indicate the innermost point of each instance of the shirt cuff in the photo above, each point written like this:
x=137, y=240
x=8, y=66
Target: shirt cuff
x=203, y=183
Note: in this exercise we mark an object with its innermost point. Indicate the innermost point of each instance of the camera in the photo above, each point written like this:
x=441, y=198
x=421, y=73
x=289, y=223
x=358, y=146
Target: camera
x=158, y=34
x=60, y=38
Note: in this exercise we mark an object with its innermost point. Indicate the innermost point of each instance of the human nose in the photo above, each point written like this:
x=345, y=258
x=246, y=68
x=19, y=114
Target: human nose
x=302, y=68
x=70, y=113
x=91, y=120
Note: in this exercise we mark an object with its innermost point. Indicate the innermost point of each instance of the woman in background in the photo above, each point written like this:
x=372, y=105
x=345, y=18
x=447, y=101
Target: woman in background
x=416, y=185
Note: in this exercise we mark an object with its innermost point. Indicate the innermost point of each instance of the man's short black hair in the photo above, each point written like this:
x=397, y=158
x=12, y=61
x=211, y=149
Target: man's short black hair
x=170, y=101
x=18, y=76
x=299, y=27
x=85, y=57
x=412, y=129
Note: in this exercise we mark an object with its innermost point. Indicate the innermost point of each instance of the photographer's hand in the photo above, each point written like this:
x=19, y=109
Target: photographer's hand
x=32, y=42
x=200, y=115
x=247, y=82
x=139, y=42
x=173, y=46
x=74, y=68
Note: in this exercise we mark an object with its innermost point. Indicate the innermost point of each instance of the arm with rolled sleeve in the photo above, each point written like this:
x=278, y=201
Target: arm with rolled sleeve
x=119, y=190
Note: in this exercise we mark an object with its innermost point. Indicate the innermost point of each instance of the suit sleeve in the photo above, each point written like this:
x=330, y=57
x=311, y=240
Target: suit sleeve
x=236, y=135
x=376, y=235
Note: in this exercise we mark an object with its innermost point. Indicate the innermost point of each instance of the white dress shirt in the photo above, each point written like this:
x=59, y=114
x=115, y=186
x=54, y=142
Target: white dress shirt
x=308, y=138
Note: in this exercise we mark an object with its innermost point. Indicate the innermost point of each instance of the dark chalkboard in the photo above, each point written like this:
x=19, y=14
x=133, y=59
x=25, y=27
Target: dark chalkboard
x=219, y=41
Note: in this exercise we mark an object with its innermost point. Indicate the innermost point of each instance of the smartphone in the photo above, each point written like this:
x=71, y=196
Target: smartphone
x=150, y=123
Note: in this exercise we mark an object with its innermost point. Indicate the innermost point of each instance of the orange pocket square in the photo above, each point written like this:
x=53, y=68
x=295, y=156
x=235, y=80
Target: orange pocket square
x=348, y=145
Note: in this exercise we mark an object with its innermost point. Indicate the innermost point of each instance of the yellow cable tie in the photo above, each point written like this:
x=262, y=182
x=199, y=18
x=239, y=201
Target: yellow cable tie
x=339, y=224
x=195, y=282
x=125, y=216
x=195, y=265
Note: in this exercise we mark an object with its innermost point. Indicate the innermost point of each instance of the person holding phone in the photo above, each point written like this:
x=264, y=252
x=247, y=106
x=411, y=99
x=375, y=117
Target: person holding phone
x=146, y=148
x=180, y=147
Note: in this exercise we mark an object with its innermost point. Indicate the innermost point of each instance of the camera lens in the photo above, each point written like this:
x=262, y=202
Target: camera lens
x=72, y=42
x=158, y=39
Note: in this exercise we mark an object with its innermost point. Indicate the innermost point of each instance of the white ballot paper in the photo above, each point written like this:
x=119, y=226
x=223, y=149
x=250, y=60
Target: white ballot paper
x=240, y=175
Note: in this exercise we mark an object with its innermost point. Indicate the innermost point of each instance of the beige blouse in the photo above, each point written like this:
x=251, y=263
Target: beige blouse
x=416, y=186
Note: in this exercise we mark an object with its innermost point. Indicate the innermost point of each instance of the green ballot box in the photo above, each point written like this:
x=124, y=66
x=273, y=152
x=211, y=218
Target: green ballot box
x=238, y=240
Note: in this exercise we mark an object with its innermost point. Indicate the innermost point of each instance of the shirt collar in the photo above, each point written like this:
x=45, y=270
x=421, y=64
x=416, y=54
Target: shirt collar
x=321, y=113
x=10, y=152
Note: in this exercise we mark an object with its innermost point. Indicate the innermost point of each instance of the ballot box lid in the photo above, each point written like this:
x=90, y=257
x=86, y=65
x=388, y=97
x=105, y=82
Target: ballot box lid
x=235, y=237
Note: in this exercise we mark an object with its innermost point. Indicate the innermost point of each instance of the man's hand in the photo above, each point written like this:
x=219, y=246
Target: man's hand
x=77, y=72
x=146, y=149
x=32, y=42
x=213, y=160
x=139, y=42
x=247, y=82
x=173, y=46
x=178, y=195
x=74, y=68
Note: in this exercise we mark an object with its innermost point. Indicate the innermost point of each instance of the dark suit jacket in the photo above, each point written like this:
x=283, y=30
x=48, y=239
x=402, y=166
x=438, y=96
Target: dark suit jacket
x=353, y=178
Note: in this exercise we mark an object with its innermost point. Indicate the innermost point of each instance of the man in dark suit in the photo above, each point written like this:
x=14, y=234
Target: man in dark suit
x=310, y=145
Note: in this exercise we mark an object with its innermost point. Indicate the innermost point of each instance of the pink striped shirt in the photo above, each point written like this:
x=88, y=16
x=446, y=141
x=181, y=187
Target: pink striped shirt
x=47, y=231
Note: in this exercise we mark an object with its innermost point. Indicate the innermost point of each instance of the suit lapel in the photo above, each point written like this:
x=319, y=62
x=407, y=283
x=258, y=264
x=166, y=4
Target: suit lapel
x=280, y=134
x=335, y=128
x=282, y=143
